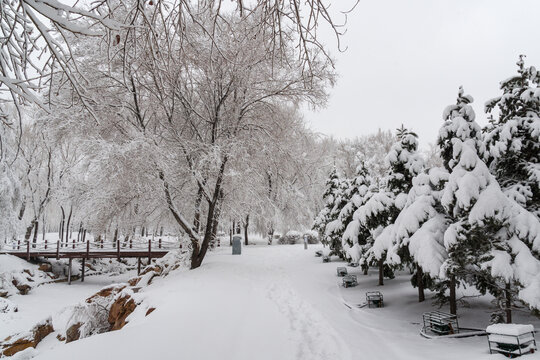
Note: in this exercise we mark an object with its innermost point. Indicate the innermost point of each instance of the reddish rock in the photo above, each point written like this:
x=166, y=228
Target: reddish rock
x=23, y=289
x=120, y=310
x=134, y=281
x=32, y=339
x=149, y=311
x=73, y=332
x=45, y=267
x=106, y=292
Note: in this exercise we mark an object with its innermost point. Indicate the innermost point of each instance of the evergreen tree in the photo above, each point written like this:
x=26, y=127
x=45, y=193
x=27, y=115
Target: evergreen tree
x=334, y=228
x=487, y=237
x=329, y=196
x=359, y=192
x=382, y=208
x=418, y=231
x=513, y=137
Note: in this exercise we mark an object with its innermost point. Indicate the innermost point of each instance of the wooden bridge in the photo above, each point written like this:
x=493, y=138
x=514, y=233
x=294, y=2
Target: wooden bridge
x=92, y=250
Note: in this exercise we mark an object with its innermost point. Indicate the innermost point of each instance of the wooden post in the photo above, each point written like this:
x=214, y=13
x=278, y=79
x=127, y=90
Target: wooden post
x=149, y=251
x=138, y=266
x=159, y=243
x=83, y=267
x=88, y=249
x=102, y=243
x=130, y=243
x=69, y=271
x=74, y=243
x=118, y=250
x=57, y=249
x=18, y=244
x=45, y=244
x=28, y=250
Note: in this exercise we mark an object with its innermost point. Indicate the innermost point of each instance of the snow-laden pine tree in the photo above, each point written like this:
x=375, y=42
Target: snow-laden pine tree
x=331, y=196
x=382, y=208
x=489, y=233
x=513, y=137
x=334, y=228
x=356, y=196
x=417, y=234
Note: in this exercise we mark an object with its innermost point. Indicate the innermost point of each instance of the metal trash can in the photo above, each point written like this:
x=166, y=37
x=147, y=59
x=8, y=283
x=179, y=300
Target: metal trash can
x=237, y=245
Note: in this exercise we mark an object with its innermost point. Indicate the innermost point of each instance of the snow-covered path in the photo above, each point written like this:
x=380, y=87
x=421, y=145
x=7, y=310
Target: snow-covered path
x=275, y=302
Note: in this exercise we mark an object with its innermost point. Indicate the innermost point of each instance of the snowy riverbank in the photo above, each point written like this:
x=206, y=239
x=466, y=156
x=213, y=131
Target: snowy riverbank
x=272, y=302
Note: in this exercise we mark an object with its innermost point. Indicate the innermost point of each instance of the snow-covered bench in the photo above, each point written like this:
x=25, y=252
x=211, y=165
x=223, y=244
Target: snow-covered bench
x=353, y=264
x=349, y=281
x=318, y=253
x=440, y=323
x=341, y=271
x=511, y=339
x=326, y=259
x=374, y=299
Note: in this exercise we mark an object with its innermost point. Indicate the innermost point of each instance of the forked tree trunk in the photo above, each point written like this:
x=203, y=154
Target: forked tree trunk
x=381, y=271
x=453, y=301
x=246, y=225
x=420, y=283
x=508, y=309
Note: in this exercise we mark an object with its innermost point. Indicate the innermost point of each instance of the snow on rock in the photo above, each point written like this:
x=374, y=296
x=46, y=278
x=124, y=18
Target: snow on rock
x=7, y=306
x=19, y=342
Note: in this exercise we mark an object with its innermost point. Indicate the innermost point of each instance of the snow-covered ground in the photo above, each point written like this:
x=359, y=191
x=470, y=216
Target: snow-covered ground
x=272, y=302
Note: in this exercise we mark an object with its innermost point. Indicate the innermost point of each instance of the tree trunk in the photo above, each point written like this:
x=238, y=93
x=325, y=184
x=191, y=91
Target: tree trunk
x=420, y=283
x=62, y=222
x=142, y=231
x=246, y=225
x=115, y=238
x=68, y=223
x=453, y=302
x=28, y=232
x=36, y=228
x=508, y=309
x=43, y=226
x=197, y=217
x=161, y=231
x=381, y=271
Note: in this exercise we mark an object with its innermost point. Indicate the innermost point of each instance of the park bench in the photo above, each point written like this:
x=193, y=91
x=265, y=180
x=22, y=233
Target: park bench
x=341, y=271
x=353, y=264
x=374, y=299
x=318, y=253
x=440, y=323
x=511, y=339
x=349, y=281
x=326, y=259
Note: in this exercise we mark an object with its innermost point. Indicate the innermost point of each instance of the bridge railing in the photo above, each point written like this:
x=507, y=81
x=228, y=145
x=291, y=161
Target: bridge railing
x=92, y=245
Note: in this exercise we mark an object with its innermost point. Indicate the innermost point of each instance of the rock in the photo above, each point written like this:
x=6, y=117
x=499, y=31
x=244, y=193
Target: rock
x=23, y=288
x=157, y=269
x=42, y=330
x=45, y=267
x=106, y=292
x=14, y=344
x=60, y=337
x=73, y=332
x=120, y=310
x=3, y=294
x=134, y=281
x=7, y=306
x=149, y=311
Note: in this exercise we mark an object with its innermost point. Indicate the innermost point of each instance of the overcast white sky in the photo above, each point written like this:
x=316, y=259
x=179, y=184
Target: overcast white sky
x=407, y=58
